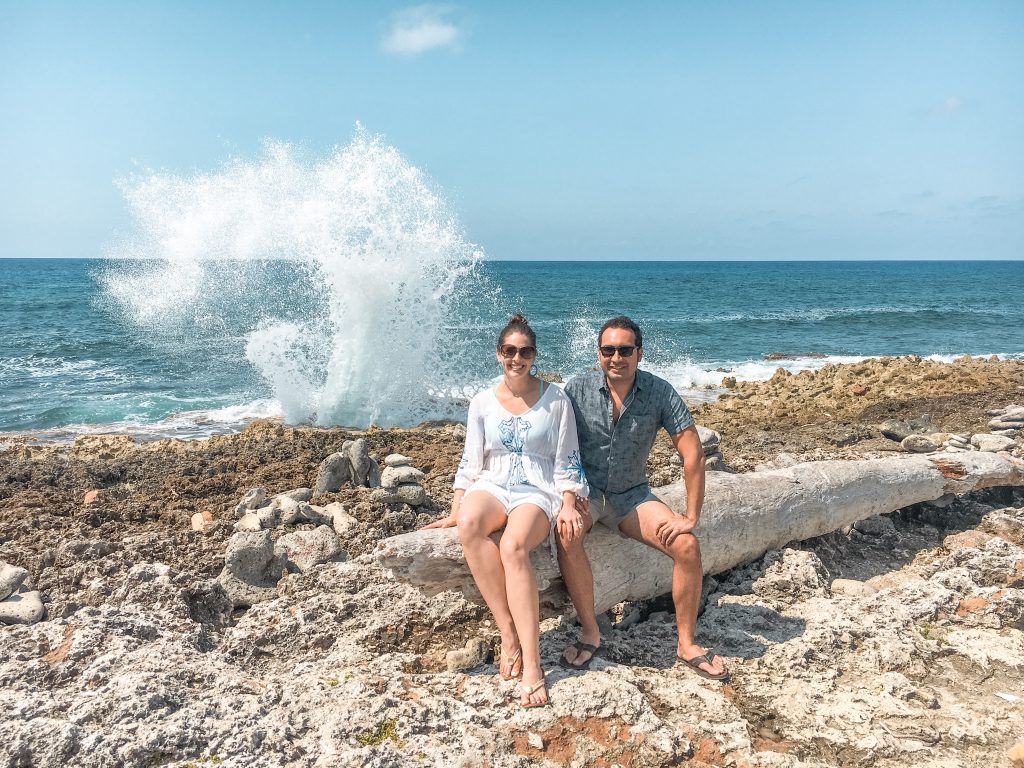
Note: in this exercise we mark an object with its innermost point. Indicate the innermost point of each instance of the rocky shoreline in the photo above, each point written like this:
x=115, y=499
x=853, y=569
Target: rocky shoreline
x=898, y=640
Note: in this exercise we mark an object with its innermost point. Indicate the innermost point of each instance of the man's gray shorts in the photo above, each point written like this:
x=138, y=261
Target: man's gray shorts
x=610, y=509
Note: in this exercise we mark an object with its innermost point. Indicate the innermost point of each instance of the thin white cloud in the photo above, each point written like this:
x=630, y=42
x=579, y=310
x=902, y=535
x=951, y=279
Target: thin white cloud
x=422, y=28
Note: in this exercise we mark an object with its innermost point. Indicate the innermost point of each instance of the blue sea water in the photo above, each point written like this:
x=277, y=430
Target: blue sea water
x=74, y=359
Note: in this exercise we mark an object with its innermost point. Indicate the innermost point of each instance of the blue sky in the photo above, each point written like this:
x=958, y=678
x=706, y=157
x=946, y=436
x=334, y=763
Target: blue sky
x=713, y=130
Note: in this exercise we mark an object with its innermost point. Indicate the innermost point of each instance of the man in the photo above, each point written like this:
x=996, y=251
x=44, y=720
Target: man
x=619, y=409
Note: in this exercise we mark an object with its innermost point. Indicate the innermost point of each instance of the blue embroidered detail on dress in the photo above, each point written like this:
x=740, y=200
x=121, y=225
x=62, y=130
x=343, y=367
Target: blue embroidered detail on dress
x=513, y=432
x=574, y=467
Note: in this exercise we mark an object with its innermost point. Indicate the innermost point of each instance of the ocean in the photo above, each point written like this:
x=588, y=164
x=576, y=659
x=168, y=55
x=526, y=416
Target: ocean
x=191, y=348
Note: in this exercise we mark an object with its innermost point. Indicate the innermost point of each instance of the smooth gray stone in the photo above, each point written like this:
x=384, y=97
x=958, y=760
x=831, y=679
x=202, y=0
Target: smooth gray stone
x=410, y=494
x=253, y=499
x=297, y=494
x=358, y=452
x=397, y=460
x=22, y=608
x=392, y=477
x=876, y=526
x=708, y=438
x=302, y=512
x=992, y=443
x=305, y=549
x=895, y=430
x=333, y=472
x=919, y=444
x=11, y=579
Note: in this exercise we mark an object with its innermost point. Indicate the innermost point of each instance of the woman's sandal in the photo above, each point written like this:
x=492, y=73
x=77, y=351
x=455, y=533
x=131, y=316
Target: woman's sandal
x=511, y=660
x=525, y=689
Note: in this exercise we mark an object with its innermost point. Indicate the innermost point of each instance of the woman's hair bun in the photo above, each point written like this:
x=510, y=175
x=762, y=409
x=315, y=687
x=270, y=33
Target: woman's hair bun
x=517, y=319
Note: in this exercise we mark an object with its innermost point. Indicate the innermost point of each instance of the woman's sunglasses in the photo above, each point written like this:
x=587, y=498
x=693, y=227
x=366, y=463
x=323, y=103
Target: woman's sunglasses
x=610, y=351
x=508, y=351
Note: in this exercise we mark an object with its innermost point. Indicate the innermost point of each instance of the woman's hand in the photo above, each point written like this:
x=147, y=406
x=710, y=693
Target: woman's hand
x=453, y=517
x=569, y=522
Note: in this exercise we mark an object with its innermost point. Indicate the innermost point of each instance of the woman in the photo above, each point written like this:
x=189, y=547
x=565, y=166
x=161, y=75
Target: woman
x=520, y=471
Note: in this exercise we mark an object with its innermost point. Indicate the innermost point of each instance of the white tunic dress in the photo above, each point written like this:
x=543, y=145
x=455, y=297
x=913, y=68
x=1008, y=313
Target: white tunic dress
x=536, y=453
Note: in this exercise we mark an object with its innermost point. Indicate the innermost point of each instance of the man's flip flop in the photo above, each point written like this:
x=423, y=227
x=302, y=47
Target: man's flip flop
x=581, y=647
x=705, y=658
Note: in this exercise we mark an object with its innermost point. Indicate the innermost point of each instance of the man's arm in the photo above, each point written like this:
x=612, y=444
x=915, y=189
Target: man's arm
x=688, y=445
x=691, y=451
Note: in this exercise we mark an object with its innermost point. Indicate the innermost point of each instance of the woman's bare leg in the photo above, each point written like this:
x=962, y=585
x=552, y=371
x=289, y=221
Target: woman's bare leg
x=527, y=527
x=479, y=516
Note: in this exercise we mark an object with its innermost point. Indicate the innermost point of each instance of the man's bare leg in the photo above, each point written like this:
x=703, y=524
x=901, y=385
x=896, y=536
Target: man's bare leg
x=579, y=582
x=687, y=575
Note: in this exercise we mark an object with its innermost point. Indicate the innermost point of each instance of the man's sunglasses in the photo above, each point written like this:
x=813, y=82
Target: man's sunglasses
x=610, y=351
x=508, y=351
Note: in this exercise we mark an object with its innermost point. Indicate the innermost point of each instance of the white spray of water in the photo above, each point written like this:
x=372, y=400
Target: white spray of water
x=379, y=259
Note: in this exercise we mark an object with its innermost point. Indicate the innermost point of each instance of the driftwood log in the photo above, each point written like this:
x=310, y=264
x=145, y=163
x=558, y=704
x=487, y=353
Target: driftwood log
x=744, y=516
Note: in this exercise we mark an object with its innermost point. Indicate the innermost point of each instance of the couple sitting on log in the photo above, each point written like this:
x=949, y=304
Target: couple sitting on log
x=545, y=465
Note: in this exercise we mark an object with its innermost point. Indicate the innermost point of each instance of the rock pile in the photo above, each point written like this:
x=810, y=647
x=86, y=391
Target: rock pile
x=1008, y=421
x=256, y=512
x=353, y=464
x=401, y=483
x=711, y=441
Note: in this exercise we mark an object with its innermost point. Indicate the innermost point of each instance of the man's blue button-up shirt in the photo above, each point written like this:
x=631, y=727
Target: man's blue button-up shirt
x=614, y=455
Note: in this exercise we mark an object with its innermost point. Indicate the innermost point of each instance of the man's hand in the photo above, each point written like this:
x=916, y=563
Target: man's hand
x=583, y=505
x=669, y=530
x=570, y=522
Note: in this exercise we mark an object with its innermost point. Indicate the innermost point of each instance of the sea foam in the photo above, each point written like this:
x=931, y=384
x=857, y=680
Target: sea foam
x=355, y=333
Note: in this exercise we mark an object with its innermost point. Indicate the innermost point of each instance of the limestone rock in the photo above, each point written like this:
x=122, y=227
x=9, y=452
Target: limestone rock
x=714, y=462
x=791, y=575
x=304, y=549
x=992, y=443
x=363, y=467
x=919, y=444
x=1016, y=755
x=341, y=520
x=709, y=438
x=267, y=515
x=879, y=527
x=251, y=569
x=397, y=460
x=253, y=499
x=852, y=587
x=896, y=430
x=392, y=476
x=249, y=521
x=11, y=579
x=333, y=472
x=203, y=522
x=21, y=608
x=292, y=512
x=297, y=494
x=410, y=494
x=473, y=655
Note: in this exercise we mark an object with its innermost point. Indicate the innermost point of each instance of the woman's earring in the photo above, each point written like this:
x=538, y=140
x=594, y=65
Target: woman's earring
x=533, y=369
